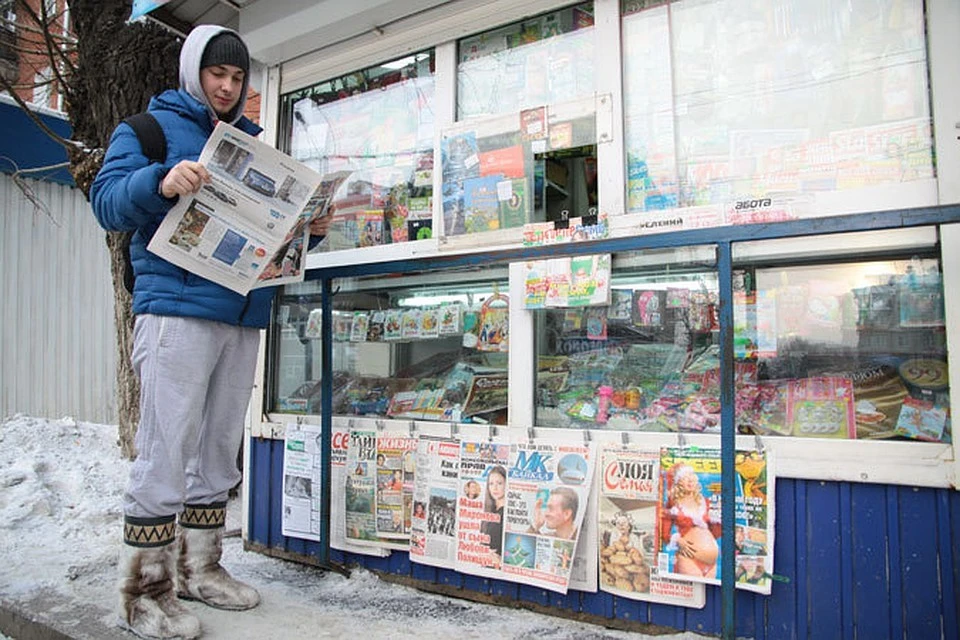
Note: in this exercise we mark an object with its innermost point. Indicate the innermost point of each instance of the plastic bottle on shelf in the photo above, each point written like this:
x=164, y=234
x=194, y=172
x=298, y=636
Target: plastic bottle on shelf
x=603, y=403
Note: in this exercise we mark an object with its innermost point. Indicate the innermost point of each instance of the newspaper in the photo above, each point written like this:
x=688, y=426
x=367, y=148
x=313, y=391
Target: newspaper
x=301, y=482
x=547, y=489
x=689, y=517
x=433, y=532
x=248, y=227
x=629, y=483
x=480, y=506
x=395, y=465
x=339, y=445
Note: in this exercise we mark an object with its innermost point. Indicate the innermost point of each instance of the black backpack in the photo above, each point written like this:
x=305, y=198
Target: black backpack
x=153, y=143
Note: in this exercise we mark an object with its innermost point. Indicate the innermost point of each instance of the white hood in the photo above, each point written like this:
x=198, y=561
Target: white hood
x=190, y=55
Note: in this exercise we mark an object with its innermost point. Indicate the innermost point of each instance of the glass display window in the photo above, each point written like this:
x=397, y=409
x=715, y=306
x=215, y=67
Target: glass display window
x=648, y=360
x=843, y=349
x=536, y=165
x=540, y=60
x=426, y=346
x=769, y=112
x=371, y=134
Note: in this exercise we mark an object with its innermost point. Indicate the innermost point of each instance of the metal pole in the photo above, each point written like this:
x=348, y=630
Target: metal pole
x=728, y=442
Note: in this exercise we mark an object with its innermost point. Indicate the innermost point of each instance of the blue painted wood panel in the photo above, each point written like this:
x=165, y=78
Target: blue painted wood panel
x=858, y=562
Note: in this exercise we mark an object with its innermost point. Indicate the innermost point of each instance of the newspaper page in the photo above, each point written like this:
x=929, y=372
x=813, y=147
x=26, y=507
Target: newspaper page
x=361, y=488
x=547, y=489
x=433, y=528
x=689, y=515
x=480, y=506
x=250, y=221
x=583, y=574
x=629, y=483
x=301, y=482
x=339, y=444
x=395, y=466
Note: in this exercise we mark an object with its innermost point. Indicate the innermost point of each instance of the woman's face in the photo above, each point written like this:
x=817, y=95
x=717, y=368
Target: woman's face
x=495, y=485
x=688, y=483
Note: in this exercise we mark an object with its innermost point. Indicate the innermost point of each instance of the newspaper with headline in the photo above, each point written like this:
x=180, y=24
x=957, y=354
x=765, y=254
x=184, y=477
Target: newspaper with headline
x=249, y=226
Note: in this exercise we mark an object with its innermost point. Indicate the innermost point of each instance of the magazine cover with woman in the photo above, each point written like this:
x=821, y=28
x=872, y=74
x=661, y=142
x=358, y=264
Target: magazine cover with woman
x=689, y=517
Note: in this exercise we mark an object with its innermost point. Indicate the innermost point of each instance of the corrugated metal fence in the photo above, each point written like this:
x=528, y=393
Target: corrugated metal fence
x=56, y=307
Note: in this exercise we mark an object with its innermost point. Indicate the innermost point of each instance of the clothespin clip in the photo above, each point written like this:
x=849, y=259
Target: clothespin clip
x=758, y=443
x=681, y=440
x=492, y=432
x=299, y=421
x=586, y=436
x=454, y=429
x=349, y=424
x=380, y=425
x=624, y=437
x=412, y=428
x=531, y=434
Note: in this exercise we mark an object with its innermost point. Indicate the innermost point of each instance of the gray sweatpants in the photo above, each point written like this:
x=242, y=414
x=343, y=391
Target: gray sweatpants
x=195, y=382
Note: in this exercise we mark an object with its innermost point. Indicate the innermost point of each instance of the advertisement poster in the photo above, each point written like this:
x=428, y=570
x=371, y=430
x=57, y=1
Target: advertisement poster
x=433, y=525
x=547, y=489
x=395, y=467
x=629, y=483
x=689, y=512
x=301, y=482
x=480, y=506
x=339, y=445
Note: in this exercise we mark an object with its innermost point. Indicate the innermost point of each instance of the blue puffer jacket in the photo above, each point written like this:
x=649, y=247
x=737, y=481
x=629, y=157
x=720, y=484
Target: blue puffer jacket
x=126, y=197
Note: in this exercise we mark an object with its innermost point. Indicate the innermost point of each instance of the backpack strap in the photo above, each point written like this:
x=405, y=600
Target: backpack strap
x=153, y=142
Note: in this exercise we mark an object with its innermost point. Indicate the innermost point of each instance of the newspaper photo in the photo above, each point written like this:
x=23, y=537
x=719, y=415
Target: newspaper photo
x=480, y=506
x=629, y=483
x=301, y=482
x=395, y=466
x=548, y=485
x=433, y=524
x=249, y=225
x=339, y=445
x=361, y=488
x=689, y=517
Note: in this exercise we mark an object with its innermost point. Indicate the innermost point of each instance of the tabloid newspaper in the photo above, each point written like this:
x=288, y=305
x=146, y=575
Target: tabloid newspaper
x=547, y=489
x=480, y=506
x=339, y=445
x=362, y=493
x=689, y=509
x=249, y=225
x=629, y=483
x=395, y=464
x=433, y=529
x=301, y=482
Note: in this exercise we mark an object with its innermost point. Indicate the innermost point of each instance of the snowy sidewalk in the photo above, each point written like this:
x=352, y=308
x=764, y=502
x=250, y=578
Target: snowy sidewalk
x=60, y=488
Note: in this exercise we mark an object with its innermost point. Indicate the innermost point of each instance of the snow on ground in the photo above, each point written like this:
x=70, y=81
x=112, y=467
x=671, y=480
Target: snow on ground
x=61, y=483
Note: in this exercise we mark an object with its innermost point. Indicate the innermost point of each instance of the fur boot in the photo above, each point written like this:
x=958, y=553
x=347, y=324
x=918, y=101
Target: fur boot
x=200, y=575
x=148, y=606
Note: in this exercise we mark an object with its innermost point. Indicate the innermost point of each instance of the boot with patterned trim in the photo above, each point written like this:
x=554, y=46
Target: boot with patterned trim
x=148, y=606
x=200, y=575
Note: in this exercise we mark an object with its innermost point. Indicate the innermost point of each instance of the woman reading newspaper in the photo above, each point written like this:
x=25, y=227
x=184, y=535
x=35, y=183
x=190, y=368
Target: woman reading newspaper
x=195, y=347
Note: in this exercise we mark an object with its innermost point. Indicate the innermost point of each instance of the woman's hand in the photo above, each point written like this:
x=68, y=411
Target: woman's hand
x=184, y=178
x=686, y=548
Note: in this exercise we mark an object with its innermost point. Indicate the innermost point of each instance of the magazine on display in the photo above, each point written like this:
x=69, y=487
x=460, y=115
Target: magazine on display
x=249, y=226
x=339, y=446
x=433, y=528
x=629, y=483
x=301, y=482
x=689, y=512
x=481, y=500
x=548, y=485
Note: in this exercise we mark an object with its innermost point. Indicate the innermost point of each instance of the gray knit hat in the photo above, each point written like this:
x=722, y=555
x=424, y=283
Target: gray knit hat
x=226, y=48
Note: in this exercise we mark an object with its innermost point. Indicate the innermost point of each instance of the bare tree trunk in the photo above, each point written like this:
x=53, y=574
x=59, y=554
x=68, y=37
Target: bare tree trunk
x=119, y=67
x=128, y=384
